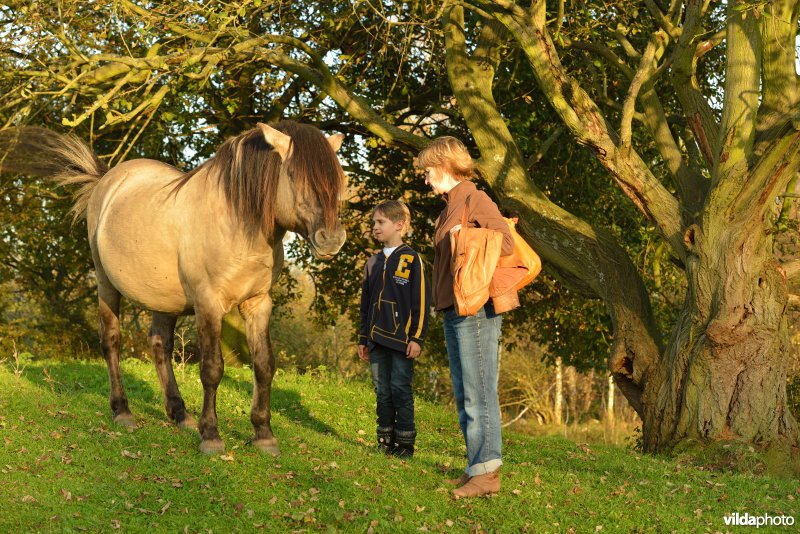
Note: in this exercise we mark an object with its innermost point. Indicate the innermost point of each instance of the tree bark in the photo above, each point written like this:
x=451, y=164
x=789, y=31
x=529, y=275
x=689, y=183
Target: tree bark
x=559, y=400
x=726, y=361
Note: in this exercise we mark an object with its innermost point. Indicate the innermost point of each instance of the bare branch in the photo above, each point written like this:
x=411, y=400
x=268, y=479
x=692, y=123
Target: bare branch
x=698, y=112
x=661, y=19
x=629, y=106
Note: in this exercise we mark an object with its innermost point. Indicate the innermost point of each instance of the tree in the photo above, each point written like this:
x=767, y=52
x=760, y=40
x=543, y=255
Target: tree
x=704, y=167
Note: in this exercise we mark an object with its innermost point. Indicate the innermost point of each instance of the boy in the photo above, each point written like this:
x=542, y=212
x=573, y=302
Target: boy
x=394, y=319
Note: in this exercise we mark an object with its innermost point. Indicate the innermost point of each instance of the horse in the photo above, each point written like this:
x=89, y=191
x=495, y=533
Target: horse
x=199, y=242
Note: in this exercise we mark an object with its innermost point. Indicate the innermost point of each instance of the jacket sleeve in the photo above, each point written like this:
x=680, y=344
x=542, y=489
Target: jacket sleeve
x=364, y=308
x=487, y=215
x=420, y=302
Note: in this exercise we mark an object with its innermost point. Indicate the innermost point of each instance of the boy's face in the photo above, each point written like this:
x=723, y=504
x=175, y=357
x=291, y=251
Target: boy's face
x=386, y=230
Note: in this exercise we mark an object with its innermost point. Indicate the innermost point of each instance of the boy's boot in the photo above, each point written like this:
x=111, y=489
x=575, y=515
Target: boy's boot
x=385, y=439
x=404, y=443
x=478, y=485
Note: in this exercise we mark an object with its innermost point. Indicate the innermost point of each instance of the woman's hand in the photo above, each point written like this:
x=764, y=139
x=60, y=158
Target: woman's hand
x=363, y=353
x=413, y=349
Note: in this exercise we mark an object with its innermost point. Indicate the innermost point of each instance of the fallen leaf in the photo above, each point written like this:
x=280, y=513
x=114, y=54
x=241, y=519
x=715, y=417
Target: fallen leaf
x=116, y=524
x=67, y=495
x=419, y=509
x=28, y=499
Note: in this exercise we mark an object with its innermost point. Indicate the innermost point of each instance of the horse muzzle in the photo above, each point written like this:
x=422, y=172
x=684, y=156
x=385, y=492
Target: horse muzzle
x=326, y=243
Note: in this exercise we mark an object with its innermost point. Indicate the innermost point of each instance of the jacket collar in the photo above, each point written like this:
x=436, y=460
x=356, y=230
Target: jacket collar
x=380, y=253
x=460, y=192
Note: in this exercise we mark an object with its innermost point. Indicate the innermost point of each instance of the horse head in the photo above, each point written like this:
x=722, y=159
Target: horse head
x=310, y=184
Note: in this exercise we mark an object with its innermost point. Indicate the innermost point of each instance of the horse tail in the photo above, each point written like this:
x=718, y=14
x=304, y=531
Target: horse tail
x=64, y=159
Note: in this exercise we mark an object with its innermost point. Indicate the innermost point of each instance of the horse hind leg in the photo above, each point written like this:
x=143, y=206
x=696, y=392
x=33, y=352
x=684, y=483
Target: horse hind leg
x=109, y=298
x=162, y=338
x=257, y=312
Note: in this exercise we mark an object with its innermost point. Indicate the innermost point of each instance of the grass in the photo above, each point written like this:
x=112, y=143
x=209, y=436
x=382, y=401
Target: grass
x=66, y=467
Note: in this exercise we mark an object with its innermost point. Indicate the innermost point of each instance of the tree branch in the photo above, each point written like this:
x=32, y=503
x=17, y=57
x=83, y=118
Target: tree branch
x=779, y=97
x=742, y=88
x=629, y=105
x=698, y=112
x=585, y=120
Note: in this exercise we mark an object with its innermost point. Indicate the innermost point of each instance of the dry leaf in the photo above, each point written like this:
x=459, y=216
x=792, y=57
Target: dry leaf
x=28, y=499
x=67, y=495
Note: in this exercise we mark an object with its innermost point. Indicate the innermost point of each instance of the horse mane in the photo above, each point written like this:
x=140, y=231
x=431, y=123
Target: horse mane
x=248, y=168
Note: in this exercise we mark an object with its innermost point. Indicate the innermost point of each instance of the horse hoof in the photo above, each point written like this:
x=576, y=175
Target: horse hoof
x=268, y=446
x=212, y=446
x=125, y=419
x=188, y=423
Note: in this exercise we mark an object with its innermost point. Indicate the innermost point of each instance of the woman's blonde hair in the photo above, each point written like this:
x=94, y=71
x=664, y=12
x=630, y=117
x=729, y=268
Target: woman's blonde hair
x=395, y=211
x=449, y=154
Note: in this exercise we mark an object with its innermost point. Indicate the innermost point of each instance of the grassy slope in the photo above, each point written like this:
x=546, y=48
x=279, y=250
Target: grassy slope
x=64, y=466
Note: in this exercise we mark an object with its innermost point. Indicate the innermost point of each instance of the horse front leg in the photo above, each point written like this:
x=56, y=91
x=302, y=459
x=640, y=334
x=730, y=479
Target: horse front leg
x=162, y=339
x=212, y=366
x=256, y=312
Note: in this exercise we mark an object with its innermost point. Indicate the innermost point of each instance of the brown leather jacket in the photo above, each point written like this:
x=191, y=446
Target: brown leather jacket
x=483, y=213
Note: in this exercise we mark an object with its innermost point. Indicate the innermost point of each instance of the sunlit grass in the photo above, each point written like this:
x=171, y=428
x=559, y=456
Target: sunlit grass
x=65, y=466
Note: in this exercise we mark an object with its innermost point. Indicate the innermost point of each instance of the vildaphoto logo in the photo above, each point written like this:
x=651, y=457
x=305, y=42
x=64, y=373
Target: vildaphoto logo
x=746, y=520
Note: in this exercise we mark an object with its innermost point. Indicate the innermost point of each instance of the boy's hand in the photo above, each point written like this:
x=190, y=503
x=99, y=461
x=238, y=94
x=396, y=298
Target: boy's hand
x=363, y=353
x=413, y=349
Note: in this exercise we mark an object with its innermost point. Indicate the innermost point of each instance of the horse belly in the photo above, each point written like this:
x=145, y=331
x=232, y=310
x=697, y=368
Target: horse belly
x=136, y=243
x=143, y=271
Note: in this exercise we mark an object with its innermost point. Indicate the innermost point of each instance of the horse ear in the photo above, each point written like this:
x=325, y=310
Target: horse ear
x=279, y=140
x=336, y=141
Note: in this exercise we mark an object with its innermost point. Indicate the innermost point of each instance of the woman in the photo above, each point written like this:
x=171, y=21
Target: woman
x=472, y=342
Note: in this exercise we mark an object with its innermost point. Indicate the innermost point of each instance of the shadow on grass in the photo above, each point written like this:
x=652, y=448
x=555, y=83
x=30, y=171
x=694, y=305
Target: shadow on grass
x=73, y=379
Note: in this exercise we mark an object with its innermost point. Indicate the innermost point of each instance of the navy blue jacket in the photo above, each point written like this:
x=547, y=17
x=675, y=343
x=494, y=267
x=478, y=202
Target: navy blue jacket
x=395, y=296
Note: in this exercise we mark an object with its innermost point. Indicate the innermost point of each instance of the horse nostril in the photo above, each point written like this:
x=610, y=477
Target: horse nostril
x=321, y=236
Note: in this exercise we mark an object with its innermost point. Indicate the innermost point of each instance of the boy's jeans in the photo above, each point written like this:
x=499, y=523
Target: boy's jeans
x=472, y=344
x=392, y=373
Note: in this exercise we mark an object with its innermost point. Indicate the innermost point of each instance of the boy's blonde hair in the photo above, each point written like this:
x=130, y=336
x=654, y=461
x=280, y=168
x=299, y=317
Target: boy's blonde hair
x=395, y=211
x=451, y=155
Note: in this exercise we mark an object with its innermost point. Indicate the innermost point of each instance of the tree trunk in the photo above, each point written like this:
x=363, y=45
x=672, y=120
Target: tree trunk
x=559, y=402
x=610, y=401
x=724, y=374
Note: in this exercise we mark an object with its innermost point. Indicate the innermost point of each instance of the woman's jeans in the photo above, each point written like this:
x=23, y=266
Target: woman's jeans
x=392, y=373
x=472, y=344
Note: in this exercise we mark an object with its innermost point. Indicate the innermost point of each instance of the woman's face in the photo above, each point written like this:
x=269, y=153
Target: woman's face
x=438, y=180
